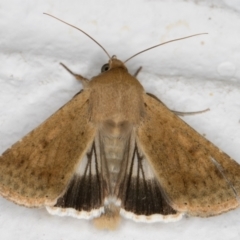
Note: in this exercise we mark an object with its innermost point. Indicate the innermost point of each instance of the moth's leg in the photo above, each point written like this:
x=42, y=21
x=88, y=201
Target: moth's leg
x=177, y=112
x=137, y=72
x=189, y=113
x=84, y=81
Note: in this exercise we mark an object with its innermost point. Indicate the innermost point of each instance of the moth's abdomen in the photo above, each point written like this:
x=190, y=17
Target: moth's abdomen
x=113, y=159
x=114, y=138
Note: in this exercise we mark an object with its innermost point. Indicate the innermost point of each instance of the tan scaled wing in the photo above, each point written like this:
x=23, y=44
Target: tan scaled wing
x=36, y=170
x=195, y=176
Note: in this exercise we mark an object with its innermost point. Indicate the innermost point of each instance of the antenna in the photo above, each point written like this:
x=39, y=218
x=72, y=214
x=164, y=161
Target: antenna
x=177, y=39
x=82, y=32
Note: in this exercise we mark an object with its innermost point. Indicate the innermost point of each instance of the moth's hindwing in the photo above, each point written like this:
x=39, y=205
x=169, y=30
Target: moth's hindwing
x=84, y=196
x=140, y=192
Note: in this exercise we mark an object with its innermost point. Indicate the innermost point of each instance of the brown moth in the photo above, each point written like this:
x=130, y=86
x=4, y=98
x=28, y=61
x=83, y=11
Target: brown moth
x=116, y=150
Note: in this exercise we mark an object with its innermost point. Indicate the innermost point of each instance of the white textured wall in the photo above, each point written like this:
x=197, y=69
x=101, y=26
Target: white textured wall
x=188, y=75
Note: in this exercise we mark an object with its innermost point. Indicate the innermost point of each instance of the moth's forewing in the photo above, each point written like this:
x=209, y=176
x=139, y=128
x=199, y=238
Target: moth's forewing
x=195, y=176
x=37, y=169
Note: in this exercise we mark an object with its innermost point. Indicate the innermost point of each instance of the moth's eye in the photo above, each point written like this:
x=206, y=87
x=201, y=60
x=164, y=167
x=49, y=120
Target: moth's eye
x=105, y=67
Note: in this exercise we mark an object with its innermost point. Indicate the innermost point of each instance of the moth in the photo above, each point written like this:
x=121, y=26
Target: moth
x=115, y=150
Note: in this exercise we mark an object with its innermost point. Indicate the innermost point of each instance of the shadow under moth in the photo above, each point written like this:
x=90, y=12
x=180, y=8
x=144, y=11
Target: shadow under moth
x=115, y=150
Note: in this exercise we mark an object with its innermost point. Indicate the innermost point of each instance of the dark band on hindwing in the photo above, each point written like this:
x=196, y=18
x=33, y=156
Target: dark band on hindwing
x=141, y=194
x=85, y=192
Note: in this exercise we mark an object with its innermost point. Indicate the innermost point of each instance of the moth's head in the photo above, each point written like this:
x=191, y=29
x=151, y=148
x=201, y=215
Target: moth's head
x=113, y=63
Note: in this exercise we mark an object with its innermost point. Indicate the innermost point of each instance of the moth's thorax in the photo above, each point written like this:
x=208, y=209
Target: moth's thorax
x=116, y=99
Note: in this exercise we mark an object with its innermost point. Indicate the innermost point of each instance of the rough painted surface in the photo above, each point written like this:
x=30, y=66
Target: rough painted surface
x=187, y=76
